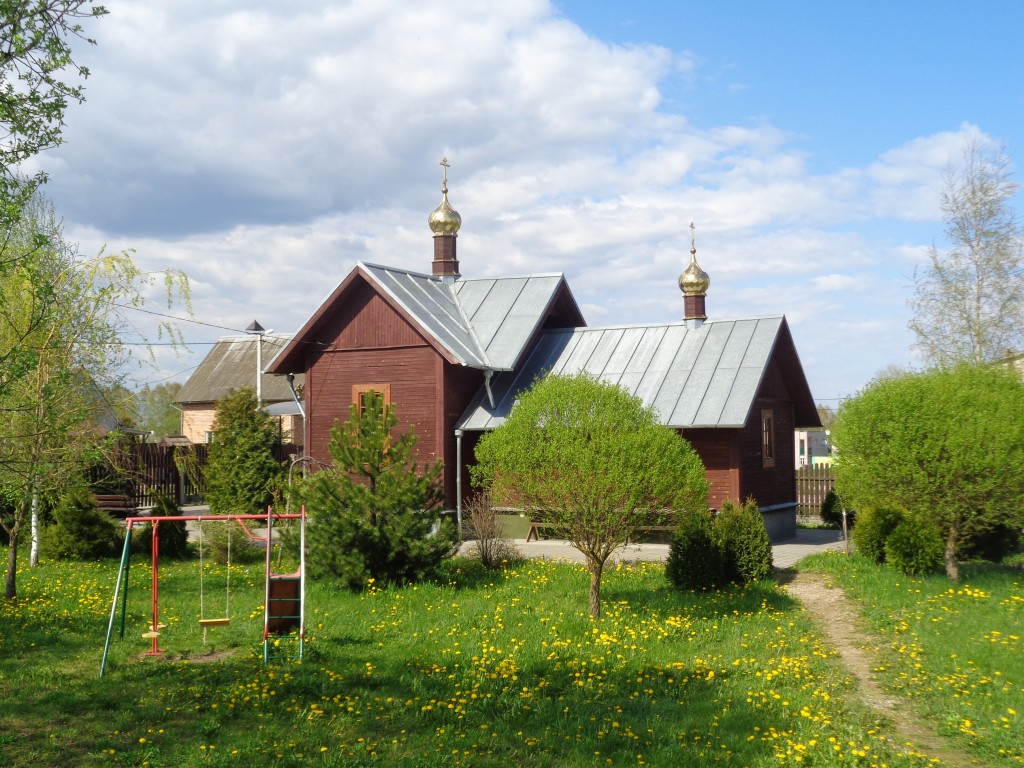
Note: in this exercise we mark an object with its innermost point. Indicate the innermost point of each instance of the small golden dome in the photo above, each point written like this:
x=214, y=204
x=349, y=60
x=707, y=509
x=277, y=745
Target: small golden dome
x=445, y=220
x=694, y=281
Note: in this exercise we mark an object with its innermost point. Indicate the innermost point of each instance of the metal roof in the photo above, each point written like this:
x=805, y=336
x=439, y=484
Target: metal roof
x=703, y=376
x=231, y=365
x=483, y=322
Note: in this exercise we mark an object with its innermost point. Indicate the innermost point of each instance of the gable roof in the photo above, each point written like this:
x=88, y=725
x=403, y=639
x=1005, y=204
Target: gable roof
x=703, y=376
x=483, y=323
x=231, y=365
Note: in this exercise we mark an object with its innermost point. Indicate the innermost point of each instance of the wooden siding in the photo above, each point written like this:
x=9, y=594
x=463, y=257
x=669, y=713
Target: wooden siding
x=414, y=393
x=368, y=342
x=773, y=485
x=460, y=386
x=367, y=321
x=717, y=448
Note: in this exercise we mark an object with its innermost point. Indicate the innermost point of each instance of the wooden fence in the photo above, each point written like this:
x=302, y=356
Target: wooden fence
x=812, y=485
x=146, y=471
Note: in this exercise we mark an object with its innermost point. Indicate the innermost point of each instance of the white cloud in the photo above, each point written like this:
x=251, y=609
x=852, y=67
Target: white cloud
x=264, y=150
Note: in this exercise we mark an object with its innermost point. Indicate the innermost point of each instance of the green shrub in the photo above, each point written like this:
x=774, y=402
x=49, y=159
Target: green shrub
x=173, y=535
x=695, y=560
x=872, y=529
x=832, y=511
x=915, y=547
x=742, y=537
x=82, y=531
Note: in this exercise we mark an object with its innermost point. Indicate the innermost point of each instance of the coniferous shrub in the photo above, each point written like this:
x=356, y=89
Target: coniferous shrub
x=743, y=538
x=872, y=529
x=832, y=511
x=695, y=559
x=242, y=473
x=82, y=531
x=915, y=547
x=374, y=515
x=173, y=534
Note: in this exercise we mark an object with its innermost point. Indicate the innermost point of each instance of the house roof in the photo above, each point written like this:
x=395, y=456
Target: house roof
x=231, y=365
x=484, y=323
x=703, y=376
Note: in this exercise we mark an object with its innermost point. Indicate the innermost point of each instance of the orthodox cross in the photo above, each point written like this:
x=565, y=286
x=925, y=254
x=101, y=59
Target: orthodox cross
x=445, y=166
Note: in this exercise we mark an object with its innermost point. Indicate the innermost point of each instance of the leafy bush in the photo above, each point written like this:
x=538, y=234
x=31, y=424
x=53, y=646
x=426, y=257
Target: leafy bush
x=915, y=547
x=872, y=529
x=82, y=531
x=483, y=524
x=832, y=511
x=740, y=532
x=695, y=559
x=173, y=535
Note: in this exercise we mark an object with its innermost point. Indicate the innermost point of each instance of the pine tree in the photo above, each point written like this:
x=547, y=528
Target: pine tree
x=242, y=473
x=373, y=517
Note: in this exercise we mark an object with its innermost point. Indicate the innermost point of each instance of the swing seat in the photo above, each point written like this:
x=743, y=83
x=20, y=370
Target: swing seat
x=222, y=622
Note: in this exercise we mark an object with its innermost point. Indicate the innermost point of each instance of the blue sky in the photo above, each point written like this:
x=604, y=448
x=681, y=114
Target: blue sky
x=264, y=151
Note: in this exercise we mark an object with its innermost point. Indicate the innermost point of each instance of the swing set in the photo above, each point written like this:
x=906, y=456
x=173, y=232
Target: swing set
x=284, y=613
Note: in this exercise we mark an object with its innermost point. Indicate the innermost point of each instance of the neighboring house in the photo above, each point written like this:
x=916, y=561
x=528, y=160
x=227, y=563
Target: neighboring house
x=452, y=354
x=812, y=447
x=229, y=367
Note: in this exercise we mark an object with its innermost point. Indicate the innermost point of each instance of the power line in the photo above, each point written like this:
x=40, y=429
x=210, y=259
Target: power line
x=179, y=319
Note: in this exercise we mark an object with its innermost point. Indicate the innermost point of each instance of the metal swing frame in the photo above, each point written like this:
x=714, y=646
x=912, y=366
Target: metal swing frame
x=153, y=634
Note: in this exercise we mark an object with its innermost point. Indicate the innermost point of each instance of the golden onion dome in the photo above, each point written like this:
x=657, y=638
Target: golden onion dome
x=694, y=281
x=444, y=220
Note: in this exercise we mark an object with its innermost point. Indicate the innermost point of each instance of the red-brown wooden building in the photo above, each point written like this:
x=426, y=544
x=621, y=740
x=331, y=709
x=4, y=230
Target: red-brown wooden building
x=451, y=353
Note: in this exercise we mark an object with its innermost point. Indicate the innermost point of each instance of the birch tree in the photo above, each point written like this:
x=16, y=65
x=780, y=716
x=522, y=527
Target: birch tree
x=66, y=320
x=968, y=301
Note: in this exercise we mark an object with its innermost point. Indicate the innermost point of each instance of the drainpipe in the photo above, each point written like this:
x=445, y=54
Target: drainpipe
x=487, y=385
x=458, y=481
x=290, y=378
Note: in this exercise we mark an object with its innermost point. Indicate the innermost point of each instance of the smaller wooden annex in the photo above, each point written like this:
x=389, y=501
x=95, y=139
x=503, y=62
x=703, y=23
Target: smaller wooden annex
x=451, y=353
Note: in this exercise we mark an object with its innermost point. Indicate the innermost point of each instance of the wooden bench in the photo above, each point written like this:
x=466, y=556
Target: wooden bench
x=116, y=504
x=534, y=534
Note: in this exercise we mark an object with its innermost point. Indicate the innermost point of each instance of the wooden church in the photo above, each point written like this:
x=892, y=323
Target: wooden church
x=451, y=353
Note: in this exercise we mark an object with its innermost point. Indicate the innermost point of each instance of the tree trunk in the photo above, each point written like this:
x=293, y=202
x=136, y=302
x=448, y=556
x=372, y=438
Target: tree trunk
x=952, y=567
x=10, y=586
x=595, y=569
x=33, y=559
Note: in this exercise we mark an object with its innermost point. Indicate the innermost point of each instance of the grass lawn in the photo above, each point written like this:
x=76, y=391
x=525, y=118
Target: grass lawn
x=956, y=651
x=482, y=669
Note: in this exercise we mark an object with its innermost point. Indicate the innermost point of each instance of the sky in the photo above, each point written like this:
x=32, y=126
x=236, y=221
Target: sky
x=264, y=150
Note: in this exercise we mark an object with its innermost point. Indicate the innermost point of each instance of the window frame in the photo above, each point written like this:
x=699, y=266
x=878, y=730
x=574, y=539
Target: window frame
x=767, y=438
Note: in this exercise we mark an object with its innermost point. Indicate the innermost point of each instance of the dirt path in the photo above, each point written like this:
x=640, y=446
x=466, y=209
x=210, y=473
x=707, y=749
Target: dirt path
x=837, y=620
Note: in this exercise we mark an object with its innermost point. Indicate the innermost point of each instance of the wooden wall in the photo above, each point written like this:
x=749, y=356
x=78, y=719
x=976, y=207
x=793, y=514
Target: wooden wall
x=717, y=448
x=368, y=342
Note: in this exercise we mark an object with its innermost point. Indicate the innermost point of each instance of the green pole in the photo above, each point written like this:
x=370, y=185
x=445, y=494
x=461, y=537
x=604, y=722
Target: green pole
x=117, y=588
x=126, y=563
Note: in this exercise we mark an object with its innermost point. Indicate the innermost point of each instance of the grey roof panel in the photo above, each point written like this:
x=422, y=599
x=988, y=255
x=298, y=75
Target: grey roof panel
x=704, y=376
x=483, y=323
x=230, y=365
x=623, y=353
